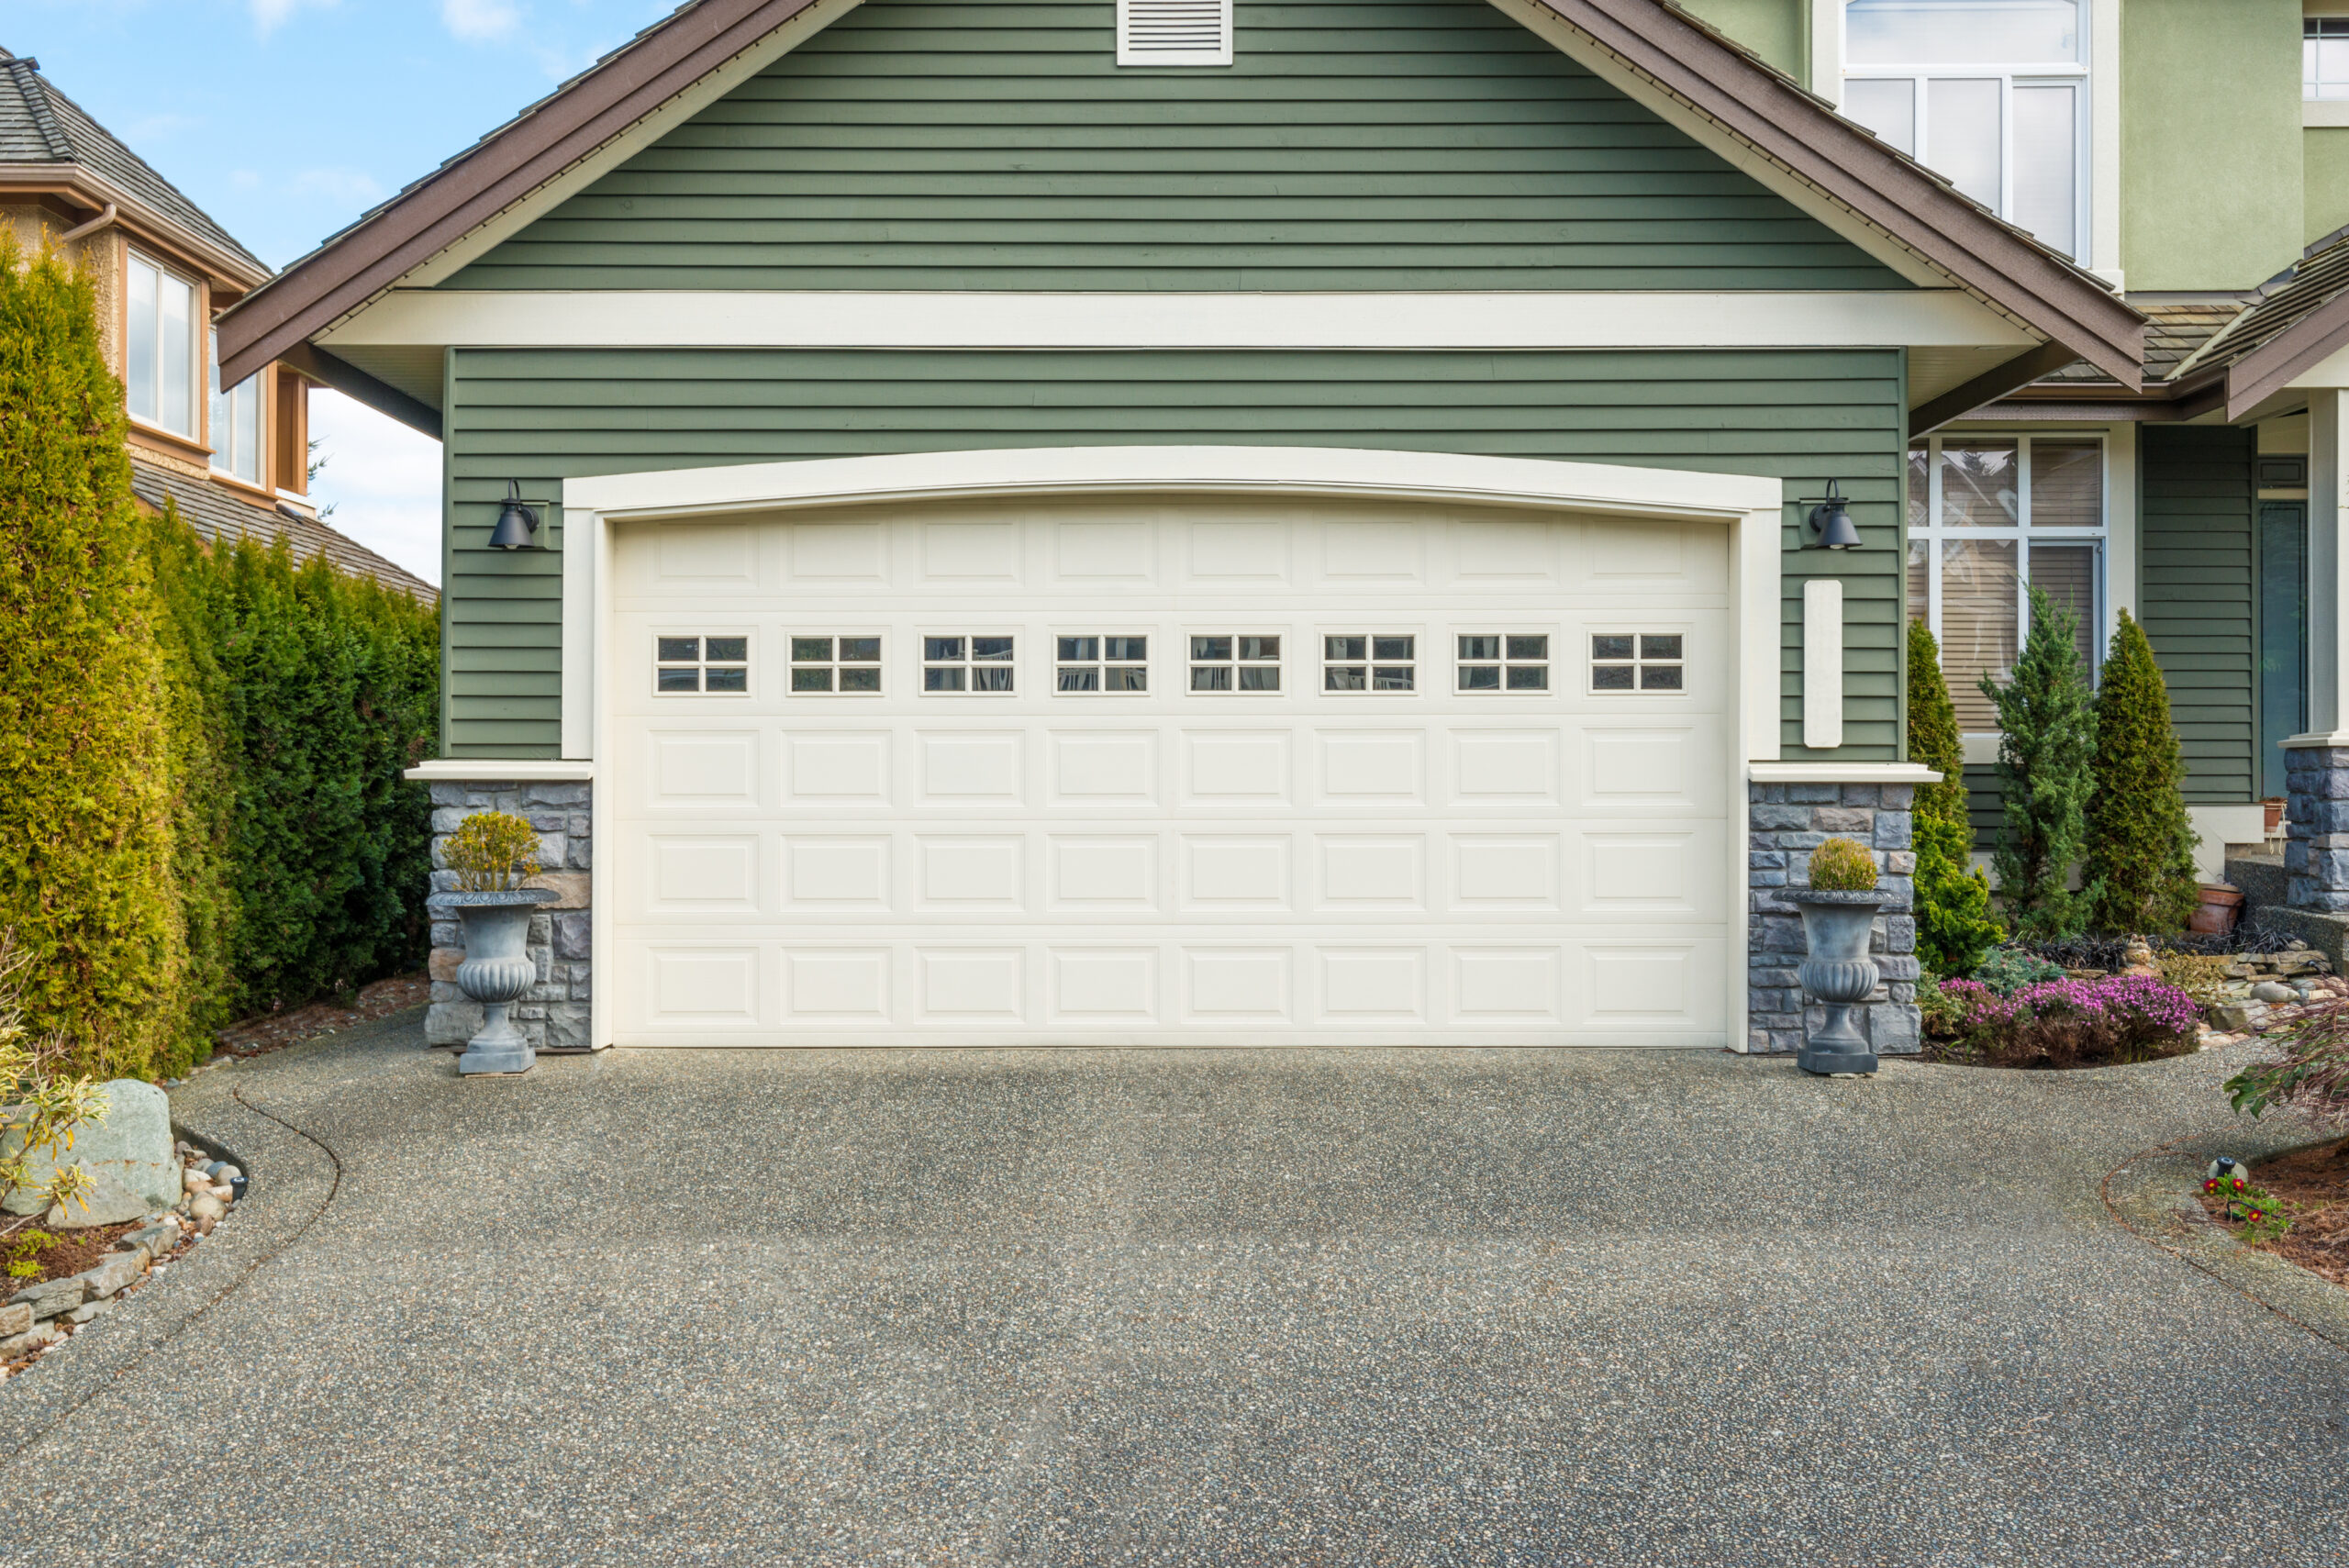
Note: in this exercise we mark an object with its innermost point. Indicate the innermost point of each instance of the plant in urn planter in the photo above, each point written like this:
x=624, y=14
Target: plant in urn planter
x=1838, y=914
x=492, y=853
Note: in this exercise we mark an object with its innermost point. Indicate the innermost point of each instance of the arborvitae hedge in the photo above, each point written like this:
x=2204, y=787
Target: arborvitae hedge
x=1952, y=900
x=201, y=813
x=2048, y=735
x=2140, y=839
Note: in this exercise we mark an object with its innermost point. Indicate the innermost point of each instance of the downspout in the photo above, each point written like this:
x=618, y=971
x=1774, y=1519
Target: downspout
x=92, y=227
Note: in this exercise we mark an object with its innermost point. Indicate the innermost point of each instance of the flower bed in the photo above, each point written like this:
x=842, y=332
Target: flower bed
x=2060, y=1023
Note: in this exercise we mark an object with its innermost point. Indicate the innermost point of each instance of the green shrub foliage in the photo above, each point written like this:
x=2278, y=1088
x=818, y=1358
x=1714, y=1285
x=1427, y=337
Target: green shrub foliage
x=1841, y=865
x=1952, y=900
x=2044, y=779
x=203, y=816
x=2140, y=839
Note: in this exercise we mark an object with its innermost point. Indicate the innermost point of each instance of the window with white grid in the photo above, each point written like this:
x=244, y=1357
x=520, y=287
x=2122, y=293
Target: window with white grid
x=718, y=665
x=969, y=662
x=1102, y=662
x=823, y=665
x=1623, y=663
x=1370, y=662
x=1235, y=661
x=1503, y=661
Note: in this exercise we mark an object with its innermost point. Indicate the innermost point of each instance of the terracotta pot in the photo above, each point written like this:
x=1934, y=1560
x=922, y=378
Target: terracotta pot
x=2215, y=915
x=2275, y=805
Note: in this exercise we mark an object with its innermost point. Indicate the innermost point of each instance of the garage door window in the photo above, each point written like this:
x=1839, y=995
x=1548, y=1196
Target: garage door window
x=1107, y=663
x=684, y=665
x=1370, y=662
x=970, y=662
x=1636, y=662
x=1504, y=662
x=1235, y=663
x=838, y=666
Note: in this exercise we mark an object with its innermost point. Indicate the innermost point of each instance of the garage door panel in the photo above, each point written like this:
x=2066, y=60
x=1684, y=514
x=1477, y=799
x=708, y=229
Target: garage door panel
x=1521, y=865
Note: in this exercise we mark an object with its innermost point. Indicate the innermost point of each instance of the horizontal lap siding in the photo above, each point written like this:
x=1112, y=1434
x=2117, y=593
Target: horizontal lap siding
x=2197, y=600
x=545, y=416
x=1392, y=144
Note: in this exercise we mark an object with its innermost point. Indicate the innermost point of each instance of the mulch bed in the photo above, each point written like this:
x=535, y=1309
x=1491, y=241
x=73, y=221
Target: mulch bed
x=72, y=1251
x=2314, y=1184
x=273, y=1031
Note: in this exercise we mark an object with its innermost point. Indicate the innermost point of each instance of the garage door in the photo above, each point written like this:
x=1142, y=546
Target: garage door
x=1205, y=771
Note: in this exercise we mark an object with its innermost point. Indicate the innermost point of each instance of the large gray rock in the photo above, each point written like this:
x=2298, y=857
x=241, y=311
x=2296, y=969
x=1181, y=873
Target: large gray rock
x=112, y=1272
x=127, y=1154
x=52, y=1296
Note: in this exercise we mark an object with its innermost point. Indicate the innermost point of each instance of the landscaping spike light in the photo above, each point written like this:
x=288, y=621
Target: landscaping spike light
x=1831, y=523
x=516, y=522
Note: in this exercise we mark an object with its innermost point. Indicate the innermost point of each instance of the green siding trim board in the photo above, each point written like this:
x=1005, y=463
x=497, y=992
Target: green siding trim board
x=544, y=416
x=2197, y=576
x=1379, y=144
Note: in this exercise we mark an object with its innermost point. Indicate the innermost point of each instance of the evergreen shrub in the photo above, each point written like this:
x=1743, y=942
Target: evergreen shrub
x=203, y=816
x=2140, y=839
x=1952, y=899
x=2048, y=734
x=1841, y=865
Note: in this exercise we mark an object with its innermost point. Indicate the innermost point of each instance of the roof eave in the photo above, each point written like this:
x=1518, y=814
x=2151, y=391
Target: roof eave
x=79, y=177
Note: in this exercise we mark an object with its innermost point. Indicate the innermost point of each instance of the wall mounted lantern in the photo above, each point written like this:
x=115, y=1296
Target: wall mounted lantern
x=518, y=521
x=1829, y=520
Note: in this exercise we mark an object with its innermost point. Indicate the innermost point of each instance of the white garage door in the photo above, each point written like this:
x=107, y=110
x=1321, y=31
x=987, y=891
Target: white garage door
x=1205, y=771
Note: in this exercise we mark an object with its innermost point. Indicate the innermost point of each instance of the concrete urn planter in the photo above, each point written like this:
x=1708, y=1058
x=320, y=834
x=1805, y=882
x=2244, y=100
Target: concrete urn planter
x=497, y=971
x=1838, y=972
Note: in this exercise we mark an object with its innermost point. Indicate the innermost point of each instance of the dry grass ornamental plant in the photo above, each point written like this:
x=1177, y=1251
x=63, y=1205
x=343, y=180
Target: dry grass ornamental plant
x=492, y=851
x=1841, y=865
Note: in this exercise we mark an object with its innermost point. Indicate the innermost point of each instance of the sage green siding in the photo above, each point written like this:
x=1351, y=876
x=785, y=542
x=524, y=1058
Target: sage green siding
x=543, y=416
x=2195, y=598
x=1378, y=144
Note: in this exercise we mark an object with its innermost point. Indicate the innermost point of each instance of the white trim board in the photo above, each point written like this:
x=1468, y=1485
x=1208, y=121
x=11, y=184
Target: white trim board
x=1842, y=772
x=746, y=318
x=491, y=770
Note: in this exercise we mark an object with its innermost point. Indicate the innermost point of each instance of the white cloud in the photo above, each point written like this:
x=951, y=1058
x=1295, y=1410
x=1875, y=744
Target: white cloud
x=477, y=20
x=354, y=186
x=382, y=480
x=269, y=14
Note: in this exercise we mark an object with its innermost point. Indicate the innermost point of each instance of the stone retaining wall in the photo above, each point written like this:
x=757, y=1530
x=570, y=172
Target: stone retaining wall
x=553, y=1013
x=1786, y=822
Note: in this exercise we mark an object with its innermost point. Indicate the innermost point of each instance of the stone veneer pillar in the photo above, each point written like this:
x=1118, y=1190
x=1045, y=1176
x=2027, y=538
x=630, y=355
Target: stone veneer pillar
x=554, y=1011
x=1786, y=822
x=2316, y=851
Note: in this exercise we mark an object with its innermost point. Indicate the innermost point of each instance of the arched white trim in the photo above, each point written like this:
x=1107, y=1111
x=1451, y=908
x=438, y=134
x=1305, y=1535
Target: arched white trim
x=1749, y=505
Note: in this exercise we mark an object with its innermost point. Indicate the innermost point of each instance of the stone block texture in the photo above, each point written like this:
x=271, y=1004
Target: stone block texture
x=553, y=1012
x=1785, y=823
x=2316, y=845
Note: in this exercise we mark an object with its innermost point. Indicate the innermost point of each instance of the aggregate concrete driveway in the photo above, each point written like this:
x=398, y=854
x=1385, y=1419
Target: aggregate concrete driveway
x=1123, y=1307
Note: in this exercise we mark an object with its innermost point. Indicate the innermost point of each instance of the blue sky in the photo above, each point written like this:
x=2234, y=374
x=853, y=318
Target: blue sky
x=284, y=120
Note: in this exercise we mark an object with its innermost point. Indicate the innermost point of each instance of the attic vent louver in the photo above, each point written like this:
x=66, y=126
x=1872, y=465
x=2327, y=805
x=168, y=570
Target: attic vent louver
x=1173, y=32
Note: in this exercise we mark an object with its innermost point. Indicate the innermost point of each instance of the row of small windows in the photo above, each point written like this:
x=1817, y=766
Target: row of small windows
x=1111, y=662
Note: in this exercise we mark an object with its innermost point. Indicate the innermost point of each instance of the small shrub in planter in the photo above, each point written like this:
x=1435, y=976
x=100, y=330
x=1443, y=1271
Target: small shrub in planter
x=1841, y=865
x=2008, y=970
x=2071, y=1023
x=492, y=851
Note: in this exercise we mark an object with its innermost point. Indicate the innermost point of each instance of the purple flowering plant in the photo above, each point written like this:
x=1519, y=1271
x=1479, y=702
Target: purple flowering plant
x=2071, y=1023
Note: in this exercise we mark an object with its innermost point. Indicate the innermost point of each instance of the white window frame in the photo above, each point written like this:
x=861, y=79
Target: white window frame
x=1638, y=662
x=1370, y=662
x=1277, y=665
x=196, y=343
x=228, y=415
x=1101, y=664
x=834, y=662
x=2079, y=75
x=1503, y=661
x=701, y=663
x=968, y=663
x=1934, y=534
x=2312, y=85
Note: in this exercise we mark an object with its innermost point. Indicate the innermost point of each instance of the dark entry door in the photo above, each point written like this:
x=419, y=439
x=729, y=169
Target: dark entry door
x=2283, y=634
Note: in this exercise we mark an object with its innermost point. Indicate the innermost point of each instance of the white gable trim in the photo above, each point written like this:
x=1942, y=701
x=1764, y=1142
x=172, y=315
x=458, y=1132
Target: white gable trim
x=738, y=318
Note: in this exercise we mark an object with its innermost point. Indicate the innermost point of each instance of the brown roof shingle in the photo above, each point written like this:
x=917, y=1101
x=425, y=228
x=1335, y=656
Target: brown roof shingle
x=216, y=515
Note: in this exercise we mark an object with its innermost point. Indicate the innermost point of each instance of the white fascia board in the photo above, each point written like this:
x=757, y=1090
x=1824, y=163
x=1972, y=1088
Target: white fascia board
x=1190, y=470
x=1579, y=48
x=1938, y=318
x=530, y=208
x=492, y=770
x=1841, y=772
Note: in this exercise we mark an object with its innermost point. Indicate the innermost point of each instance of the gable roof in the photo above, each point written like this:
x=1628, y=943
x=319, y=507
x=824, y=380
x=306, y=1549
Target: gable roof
x=218, y=516
x=1758, y=119
x=41, y=129
x=2294, y=321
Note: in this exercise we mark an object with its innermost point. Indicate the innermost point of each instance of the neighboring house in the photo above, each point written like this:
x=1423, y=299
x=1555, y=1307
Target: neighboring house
x=1289, y=530
x=235, y=459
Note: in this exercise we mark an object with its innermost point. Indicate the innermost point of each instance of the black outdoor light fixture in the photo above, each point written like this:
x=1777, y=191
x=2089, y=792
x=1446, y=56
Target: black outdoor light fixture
x=518, y=521
x=1829, y=520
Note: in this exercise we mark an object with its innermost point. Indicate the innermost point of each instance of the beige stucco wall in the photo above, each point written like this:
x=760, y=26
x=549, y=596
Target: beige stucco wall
x=99, y=255
x=1771, y=28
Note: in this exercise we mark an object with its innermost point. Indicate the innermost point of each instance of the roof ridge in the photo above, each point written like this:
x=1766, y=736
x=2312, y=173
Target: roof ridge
x=25, y=74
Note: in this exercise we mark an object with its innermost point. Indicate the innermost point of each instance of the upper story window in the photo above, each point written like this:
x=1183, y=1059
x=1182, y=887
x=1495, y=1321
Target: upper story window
x=236, y=423
x=158, y=348
x=2324, y=57
x=1992, y=94
x=1988, y=517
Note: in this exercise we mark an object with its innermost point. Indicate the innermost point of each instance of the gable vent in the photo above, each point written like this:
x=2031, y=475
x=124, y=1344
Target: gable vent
x=1173, y=32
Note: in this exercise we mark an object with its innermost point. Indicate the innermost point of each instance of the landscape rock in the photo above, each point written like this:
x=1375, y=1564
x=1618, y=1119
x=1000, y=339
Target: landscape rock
x=155, y=1239
x=52, y=1296
x=2275, y=992
x=194, y=1180
x=127, y=1152
x=112, y=1272
x=206, y=1210
x=2233, y=1018
x=88, y=1310
x=14, y=1320
x=38, y=1337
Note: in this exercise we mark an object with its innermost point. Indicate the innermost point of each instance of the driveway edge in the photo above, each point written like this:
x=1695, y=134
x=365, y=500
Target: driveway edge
x=293, y=1179
x=2153, y=1194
